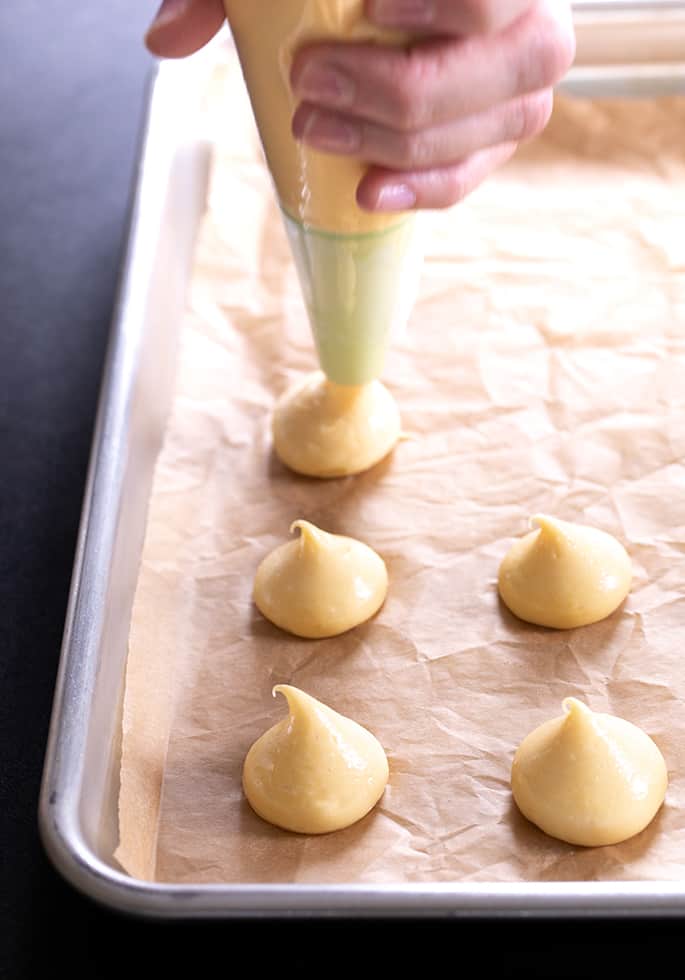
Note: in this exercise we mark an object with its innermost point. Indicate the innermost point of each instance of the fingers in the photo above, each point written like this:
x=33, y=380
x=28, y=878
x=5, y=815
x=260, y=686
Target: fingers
x=445, y=16
x=438, y=80
x=514, y=121
x=184, y=26
x=383, y=190
x=434, y=118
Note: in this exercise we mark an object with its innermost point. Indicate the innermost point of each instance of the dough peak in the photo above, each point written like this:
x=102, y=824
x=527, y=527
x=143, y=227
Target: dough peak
x=588, y=778
x=564, y=575
x=320, y=584
x=315, y=771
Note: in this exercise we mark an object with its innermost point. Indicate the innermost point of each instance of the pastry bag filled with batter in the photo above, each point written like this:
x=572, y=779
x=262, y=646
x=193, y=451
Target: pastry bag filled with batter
x=358, y=271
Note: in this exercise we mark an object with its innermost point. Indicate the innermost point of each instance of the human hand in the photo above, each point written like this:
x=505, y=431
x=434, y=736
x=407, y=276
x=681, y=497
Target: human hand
x=435, y=119
x=432, y=121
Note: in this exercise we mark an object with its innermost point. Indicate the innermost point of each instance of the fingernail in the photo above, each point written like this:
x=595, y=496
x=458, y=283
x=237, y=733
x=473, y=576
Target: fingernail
x=325, y=84
x=403, y=13
x=326, y=132
x=395, y=197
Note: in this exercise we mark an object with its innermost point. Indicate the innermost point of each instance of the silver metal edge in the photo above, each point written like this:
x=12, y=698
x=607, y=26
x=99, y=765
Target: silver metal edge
x=58, y=809
x=624, y=81
x=83, y=623
x=620, y=7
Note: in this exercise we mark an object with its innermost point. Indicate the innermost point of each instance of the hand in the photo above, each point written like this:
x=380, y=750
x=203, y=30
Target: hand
x=432, y=121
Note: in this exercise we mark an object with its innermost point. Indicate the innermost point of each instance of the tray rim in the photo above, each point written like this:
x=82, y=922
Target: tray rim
x=58, y=811
x=621, y=7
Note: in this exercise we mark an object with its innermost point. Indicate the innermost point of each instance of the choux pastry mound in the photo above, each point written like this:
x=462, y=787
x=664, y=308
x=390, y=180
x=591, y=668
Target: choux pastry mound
x=326, y=430
x=564, y=575
x=320, y=584
x=588, y=778
x=315, y=771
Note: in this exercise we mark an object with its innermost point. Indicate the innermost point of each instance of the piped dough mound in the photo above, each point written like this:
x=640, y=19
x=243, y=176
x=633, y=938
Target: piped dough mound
x=320, y=584
x=588, y=778
x=316, y=770
x=327, y=430
x=564, y=575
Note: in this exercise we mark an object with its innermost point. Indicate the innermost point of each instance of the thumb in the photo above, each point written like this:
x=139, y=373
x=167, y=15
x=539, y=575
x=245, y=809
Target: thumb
x=183, y=26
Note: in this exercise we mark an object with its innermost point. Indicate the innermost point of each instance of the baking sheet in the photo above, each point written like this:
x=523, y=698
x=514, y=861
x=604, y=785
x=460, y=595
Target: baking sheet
x=542, y=371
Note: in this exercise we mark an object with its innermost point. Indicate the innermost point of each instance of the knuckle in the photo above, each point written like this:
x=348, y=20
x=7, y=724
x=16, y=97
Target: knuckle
x=411, y=151
x=408, y=108
x=481, y=15
x=554, y=48
x=409, y=85
x=454, y=190
x=442, y=187
x=530, y=115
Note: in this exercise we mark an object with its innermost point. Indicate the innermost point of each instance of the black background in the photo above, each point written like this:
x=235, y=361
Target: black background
x=73, y=79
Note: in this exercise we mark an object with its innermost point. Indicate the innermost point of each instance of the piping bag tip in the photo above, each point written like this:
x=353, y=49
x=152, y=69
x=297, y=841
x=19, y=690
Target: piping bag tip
x=359, y=291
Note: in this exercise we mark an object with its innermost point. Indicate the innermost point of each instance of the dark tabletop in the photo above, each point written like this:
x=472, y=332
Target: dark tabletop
x=73, y=79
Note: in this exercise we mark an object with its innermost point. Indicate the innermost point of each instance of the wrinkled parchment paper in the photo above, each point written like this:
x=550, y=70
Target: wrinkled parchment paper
x=543, y=370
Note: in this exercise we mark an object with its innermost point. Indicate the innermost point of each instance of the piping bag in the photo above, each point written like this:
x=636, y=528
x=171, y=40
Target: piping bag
x=359, y=272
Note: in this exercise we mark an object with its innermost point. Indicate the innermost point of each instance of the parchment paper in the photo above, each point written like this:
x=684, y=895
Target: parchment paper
x=543, y=370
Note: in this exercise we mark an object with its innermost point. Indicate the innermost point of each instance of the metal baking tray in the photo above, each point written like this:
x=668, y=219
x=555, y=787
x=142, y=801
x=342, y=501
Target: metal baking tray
x=78, y=804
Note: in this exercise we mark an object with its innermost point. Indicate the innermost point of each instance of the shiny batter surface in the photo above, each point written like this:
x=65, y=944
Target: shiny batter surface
x=327, y=430
x=564, y=575
x=589, y=778
x=315, y=771
x=320, y=584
